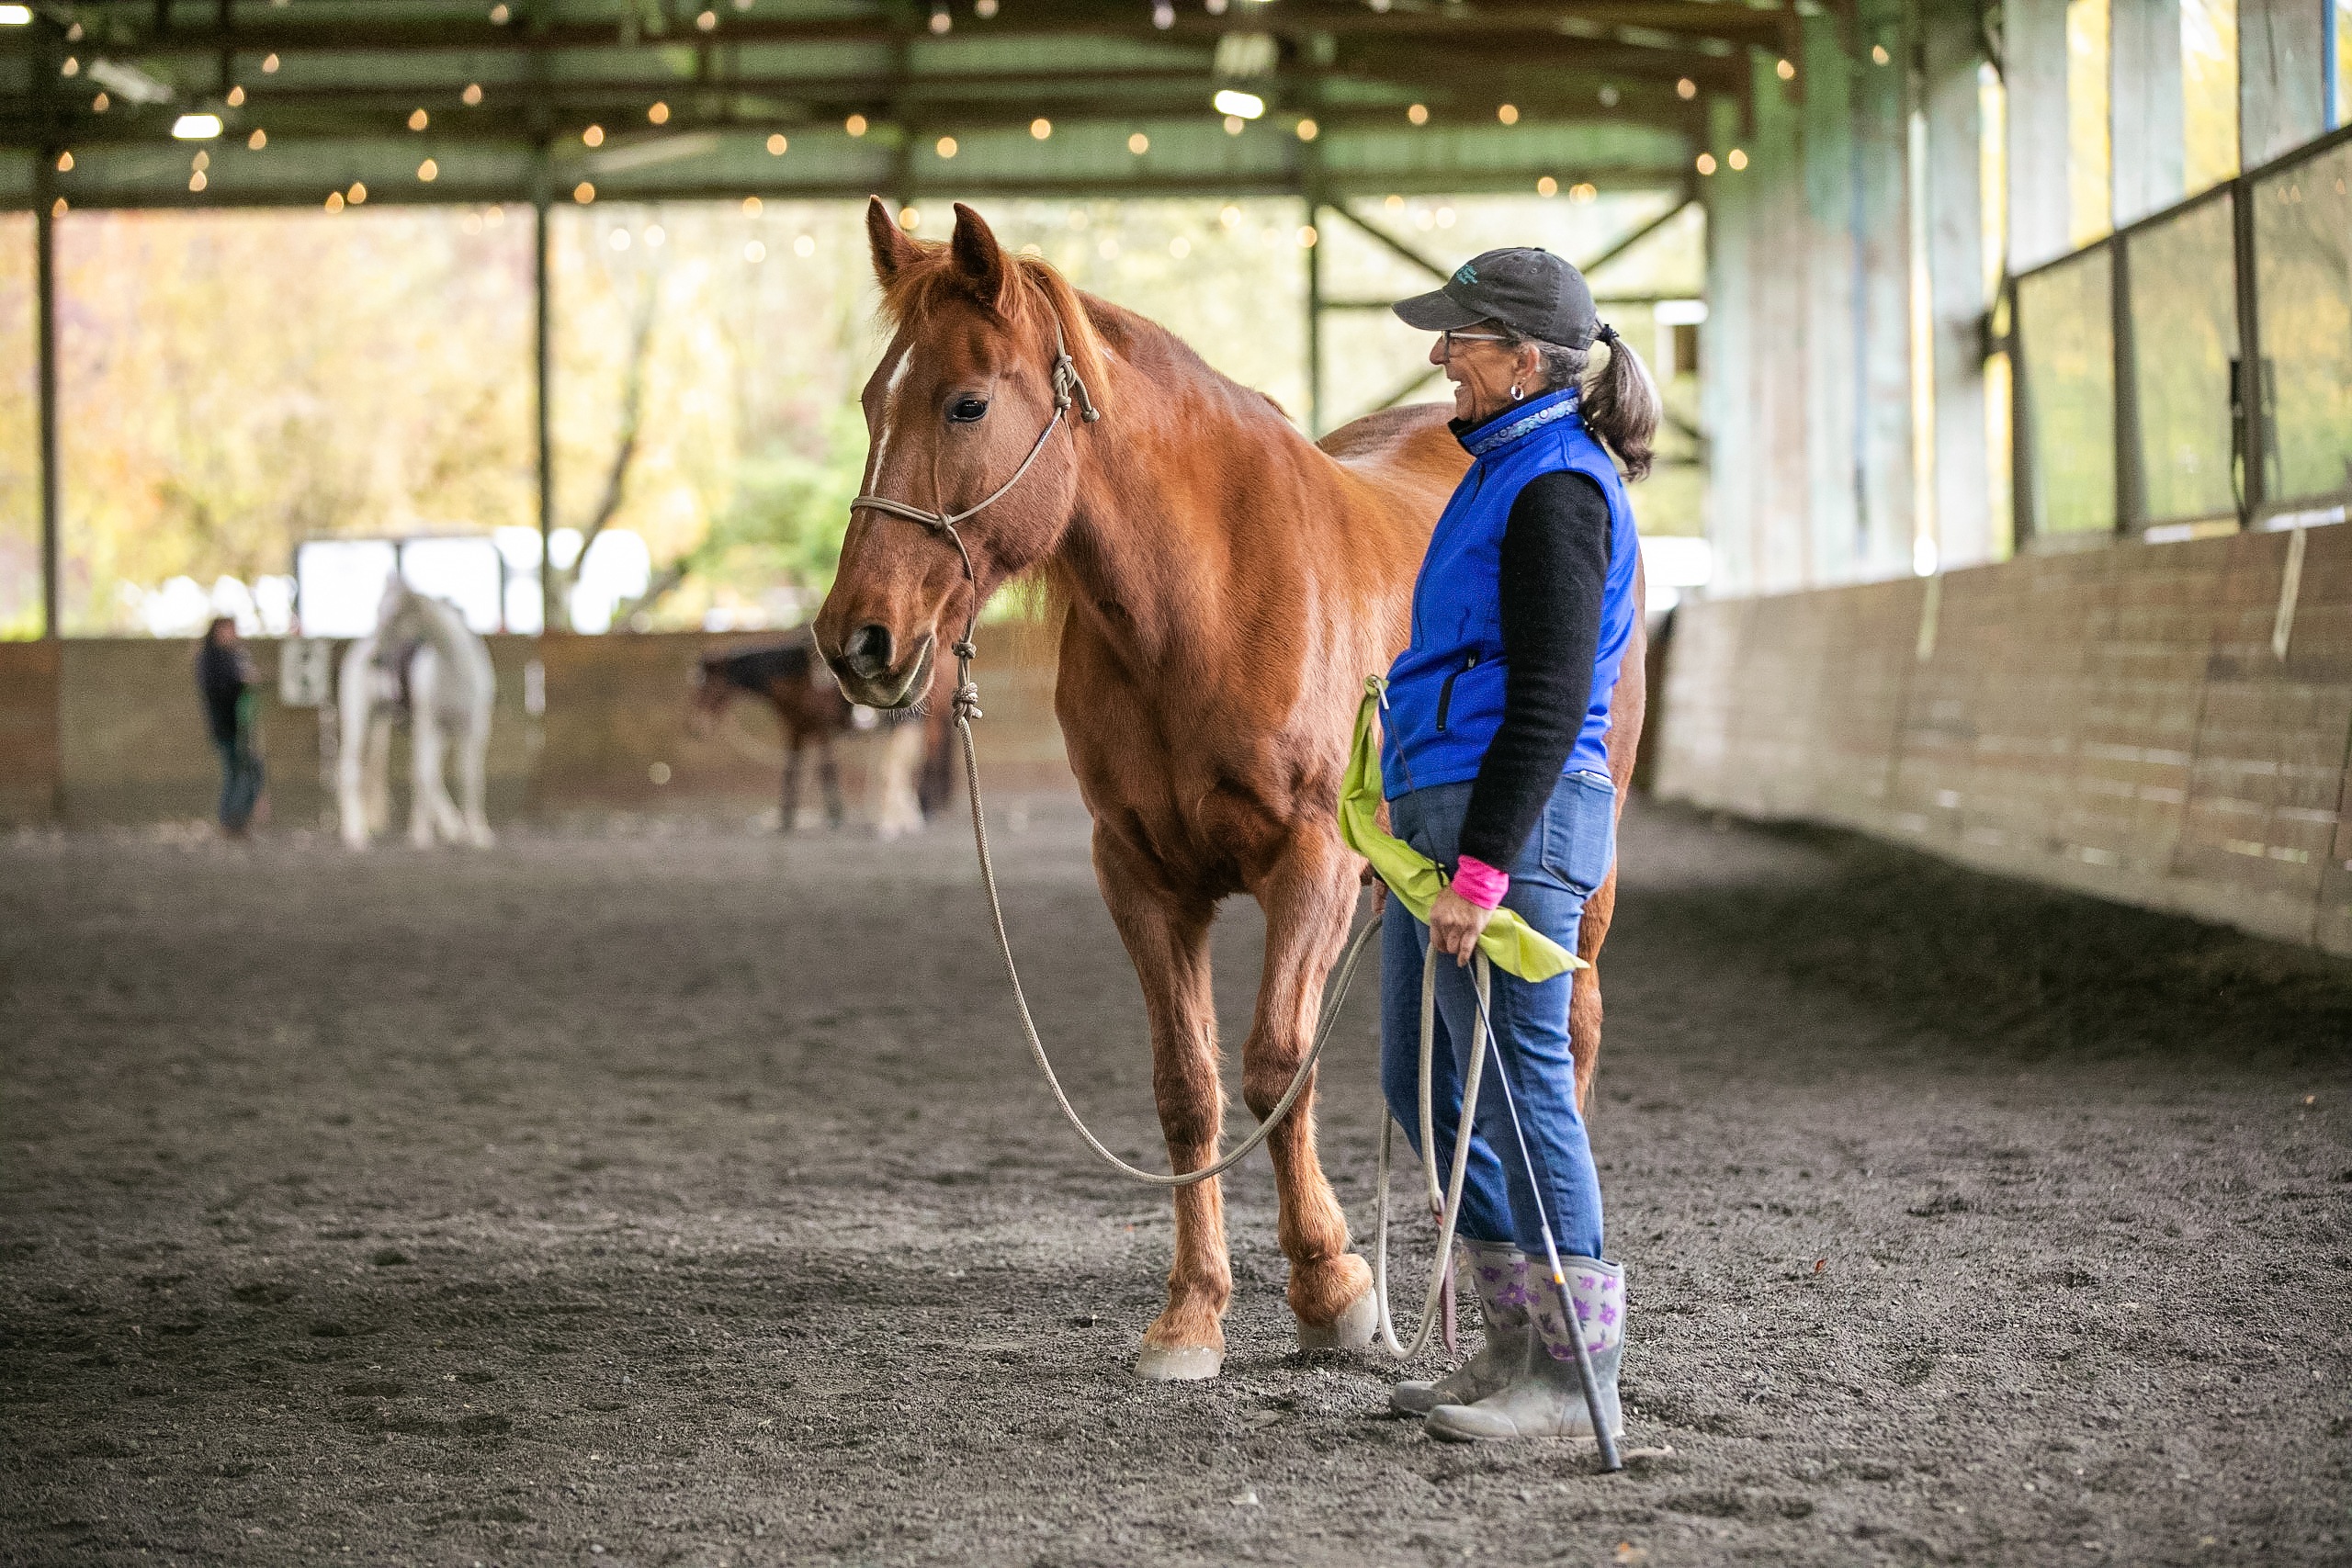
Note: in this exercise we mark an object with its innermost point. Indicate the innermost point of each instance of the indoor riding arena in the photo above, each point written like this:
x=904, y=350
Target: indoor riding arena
x=502, y=1063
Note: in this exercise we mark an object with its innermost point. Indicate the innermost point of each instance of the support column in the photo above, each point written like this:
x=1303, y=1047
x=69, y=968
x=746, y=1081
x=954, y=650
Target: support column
x=2282, y=76
x=543, y=372
x=45, y=352
x=1832, y=267
x=2144, y=101
x=1318, y=422
x=2033, y=66
x=1951, y=53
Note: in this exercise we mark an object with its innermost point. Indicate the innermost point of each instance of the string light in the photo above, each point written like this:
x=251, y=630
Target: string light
x=750, y=207
x=1737, y=160
x=584, y=193
x=1609, y=96
x=472, y=94
x=940, y=20
x=1393, y=203
x=335, y=201
x=1584, y=194
x=776, y=144
x=65, y=162
x=1507, y=114
x=419, y=120
x=1233, y=124
x=1879, y=55
x=1307, y=236
x=1706, y=162
x=356, y=194
x=945, y=147
x=659, y=114
x=71, y=67
x=1686, y=89
x=57, y=208
x=854, y=125
x=1787, y=69
x=984, y=9
x=806, y=245
x=499, y=13
x=594, y=136
x=1547, y=185
x=1309, y=130
x=196, y=180
x=1138, y=144
x=236, y=97
x=269, y=65
x=1419, y=114
x=428, y=171
x=100, y=104
x=1229, y=217
x=1040, y=128
x=708, y=21
x=258, y=139
x=1163, y=14
x=202, y=162
x=911, y=218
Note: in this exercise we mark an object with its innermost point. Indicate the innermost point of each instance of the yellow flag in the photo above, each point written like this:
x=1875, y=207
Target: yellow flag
x=1510, y=942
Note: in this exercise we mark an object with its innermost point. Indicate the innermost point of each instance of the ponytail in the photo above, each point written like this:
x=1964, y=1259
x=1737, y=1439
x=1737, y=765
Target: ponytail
x=1621, y=404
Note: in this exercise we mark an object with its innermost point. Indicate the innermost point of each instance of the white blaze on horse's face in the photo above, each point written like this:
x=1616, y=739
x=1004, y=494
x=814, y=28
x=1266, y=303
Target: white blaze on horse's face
x=951, y=411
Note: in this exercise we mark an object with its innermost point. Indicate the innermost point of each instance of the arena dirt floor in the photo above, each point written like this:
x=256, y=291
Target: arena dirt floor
x=624, y=1196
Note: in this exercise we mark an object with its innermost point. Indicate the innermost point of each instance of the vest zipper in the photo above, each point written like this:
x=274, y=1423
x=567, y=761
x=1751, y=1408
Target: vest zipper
x=1445, y=693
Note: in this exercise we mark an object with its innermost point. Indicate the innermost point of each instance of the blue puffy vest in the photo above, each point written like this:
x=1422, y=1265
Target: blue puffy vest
x=1445, y=691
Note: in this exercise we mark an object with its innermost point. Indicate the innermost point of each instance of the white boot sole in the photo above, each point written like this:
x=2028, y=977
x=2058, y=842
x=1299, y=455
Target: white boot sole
x=1156, y=1365
x=1352, y=1330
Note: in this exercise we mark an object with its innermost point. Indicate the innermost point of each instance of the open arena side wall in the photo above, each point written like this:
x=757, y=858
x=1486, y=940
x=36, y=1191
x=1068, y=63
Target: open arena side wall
x=2167, y=725
x=108, y=731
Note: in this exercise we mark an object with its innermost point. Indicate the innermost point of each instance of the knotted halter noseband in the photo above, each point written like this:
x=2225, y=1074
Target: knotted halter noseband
x=1066, y=388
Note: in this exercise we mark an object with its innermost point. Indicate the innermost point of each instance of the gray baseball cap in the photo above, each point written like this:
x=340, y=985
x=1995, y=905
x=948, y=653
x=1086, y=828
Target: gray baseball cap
x=1532, y=291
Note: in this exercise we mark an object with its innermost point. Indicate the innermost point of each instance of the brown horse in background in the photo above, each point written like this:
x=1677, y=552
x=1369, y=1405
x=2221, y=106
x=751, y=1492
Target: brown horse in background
x=811, y=712
x=1226, y=585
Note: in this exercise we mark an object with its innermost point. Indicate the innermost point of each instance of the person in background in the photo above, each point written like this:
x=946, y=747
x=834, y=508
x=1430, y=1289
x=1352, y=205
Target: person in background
x=224, y=674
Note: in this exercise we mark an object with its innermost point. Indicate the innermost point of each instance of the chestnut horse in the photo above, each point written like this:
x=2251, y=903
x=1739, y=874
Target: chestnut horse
x=1226, y=585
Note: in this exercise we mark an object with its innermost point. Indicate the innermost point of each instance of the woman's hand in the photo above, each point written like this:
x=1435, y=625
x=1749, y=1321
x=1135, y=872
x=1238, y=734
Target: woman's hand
x=1456, y=924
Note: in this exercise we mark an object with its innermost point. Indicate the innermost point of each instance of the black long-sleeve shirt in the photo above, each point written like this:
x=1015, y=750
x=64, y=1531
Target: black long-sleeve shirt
x=222, y=673
x=1555, y=566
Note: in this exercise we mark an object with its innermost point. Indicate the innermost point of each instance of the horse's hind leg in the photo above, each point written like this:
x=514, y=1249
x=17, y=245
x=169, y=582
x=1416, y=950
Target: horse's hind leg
x=1167, y=938
x=1307, y=900
x=829, y=778
x=473, y=783
x=1584, y=994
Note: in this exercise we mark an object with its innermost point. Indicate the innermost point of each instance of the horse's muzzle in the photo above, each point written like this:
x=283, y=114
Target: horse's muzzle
x=866, y=671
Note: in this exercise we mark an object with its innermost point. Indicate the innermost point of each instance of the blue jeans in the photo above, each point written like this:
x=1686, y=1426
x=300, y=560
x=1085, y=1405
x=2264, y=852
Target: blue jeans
x=240, y=782
x=1567, y=857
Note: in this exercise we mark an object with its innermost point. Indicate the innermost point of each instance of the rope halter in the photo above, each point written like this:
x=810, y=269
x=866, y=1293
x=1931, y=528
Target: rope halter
x=1067, y=387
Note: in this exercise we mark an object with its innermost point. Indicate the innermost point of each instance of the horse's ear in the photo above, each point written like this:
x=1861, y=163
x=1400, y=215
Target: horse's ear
x=892, y=249
x=980, y=259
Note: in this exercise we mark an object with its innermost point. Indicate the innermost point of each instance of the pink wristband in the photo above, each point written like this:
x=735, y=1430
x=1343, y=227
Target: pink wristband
x=1479, y=883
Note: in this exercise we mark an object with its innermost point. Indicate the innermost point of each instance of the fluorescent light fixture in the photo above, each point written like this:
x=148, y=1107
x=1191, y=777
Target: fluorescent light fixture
x=129, y=83
x=197, y=127
x=15, y=16
x=653, y=151
x=1242, y=106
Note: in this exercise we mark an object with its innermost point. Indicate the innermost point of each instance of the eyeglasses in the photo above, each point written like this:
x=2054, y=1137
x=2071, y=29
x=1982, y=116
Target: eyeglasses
x=1453, y=338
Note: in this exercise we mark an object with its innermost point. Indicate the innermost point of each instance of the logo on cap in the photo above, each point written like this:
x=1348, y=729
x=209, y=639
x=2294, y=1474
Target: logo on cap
x=1465, y=275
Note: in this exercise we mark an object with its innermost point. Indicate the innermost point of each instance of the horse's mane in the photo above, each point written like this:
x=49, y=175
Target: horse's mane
x=1039, y=297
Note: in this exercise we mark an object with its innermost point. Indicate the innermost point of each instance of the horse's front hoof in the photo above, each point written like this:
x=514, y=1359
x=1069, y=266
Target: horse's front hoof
x=1352, y=1330
x=1158, y=1363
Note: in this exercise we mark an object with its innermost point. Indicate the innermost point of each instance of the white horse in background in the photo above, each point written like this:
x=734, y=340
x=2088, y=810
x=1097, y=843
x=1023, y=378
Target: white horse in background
x=423, y=657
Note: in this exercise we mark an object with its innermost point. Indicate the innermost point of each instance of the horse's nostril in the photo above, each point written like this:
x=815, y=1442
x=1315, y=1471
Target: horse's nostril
x=867, y=652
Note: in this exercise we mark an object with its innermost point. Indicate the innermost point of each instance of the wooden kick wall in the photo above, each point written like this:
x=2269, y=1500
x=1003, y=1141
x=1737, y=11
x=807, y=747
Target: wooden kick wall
x=2166, y=724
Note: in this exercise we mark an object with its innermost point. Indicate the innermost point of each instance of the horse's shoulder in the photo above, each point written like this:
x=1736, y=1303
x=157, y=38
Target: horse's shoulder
x=1415, y=434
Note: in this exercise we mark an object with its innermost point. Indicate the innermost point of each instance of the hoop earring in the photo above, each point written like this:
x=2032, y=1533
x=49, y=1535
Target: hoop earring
x=1517, y=395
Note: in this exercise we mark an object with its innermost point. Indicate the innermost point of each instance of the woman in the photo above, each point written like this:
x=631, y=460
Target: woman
x=1495, y=765
x=224, y=675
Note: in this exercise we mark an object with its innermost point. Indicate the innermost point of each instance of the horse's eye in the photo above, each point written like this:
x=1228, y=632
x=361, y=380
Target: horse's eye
x=964, y=411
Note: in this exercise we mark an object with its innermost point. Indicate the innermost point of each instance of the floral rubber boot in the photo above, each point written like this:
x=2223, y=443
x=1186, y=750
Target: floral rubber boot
x=1548, y=1401
x=1501, y=1275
